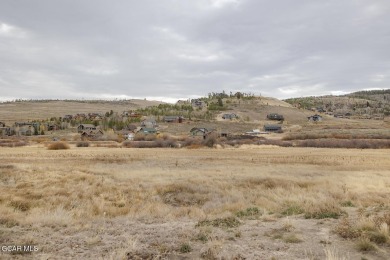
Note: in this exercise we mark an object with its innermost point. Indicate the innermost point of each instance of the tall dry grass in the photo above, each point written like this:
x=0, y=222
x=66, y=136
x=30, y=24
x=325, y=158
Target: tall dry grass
x=221, y=186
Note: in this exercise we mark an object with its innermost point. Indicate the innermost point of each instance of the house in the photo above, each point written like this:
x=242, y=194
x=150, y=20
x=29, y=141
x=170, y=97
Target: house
x=196, y=131
x=197, y=103
x=2, y=124
x=91, y=134
x=51, y=126
x=130, y=137
x=26, y=130
x=135, y=115
x=229, y=116
x=86, y=127
x=147, y=130
x=131, y=128
x=6, y=131
x=20, y=124
x=67, y=117
x=274, y=116
x=95, y=116
x=315, y=118
x=80, y=117
x=182, y=102
x=273, y=128
x=173, y=119
x=149, y=123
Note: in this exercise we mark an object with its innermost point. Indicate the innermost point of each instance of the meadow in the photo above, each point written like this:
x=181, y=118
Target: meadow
x=248, y=202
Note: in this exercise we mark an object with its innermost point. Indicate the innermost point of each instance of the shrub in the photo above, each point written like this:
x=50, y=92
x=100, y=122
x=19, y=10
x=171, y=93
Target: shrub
x=150, y=137
x=58, y=146
x=365, y=245
x=377, y=237
x=229, y=222
x=346, y=230
x=110, y=137
x=190, y=141
x=200, y=237
x=210, y=140
x=169, y=143
x=249, y=212
x=20, y=205
x=292, y=239
x=292, y=209
x=185, y=248
x=347, y=203
x=82, y=144
x=323, y=210
x=139, y=137
x=345, y=143
x=12, y=143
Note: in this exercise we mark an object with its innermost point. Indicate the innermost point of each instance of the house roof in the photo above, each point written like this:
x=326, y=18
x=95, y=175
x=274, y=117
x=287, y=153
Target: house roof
x=148, y=129
x=201, y=129
x=87, y=125
x=272, y=127
x=92, y=132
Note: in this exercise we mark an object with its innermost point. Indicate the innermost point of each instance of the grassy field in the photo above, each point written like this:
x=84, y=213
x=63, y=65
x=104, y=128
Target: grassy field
x=251, y=202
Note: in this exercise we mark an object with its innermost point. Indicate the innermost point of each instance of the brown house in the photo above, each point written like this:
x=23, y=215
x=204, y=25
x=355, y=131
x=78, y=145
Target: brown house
x=91, y=134
x=86, y=127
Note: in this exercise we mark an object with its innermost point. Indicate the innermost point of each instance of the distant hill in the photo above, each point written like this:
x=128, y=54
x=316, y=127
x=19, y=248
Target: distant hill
x=43, y=109
x=373, y=103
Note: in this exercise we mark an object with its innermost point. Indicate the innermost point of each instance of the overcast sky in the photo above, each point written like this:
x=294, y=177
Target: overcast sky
x=72, y=49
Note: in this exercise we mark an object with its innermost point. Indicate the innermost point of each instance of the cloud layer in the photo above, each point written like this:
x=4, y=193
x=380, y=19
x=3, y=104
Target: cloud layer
x=180, y=49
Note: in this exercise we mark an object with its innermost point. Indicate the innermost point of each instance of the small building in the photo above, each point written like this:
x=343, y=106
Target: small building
x=67, y=117
x=91, y=134
x=6, y=131
x=20, y=124
x=173, y=119
x=51, y=126
x=253, y=132
x=80, y=116
x=86, y=127
x=2, y=124
x=315, y=118
x=197, y=103
x=130, y=137
x=149, y=123
x=224, y=134
x=229, y=116
x=199, y=131
x=147, y=130
x=273, y=128
x=182, y=102
x=274, y=116
x=26, y=130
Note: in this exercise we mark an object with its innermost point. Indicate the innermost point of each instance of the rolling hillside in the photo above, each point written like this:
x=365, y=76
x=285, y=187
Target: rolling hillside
x=364, y=104
x=33, y=110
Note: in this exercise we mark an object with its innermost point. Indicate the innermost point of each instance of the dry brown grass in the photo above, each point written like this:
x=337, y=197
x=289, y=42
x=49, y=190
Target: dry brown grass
x=13, y=142
x=161, y=194
x=58, y=146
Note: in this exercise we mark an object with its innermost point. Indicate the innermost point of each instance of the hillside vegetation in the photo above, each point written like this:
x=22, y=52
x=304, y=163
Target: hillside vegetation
x=368, y=103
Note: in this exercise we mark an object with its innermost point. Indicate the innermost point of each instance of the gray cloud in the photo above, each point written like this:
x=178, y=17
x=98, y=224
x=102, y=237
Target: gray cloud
x=178, y=49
